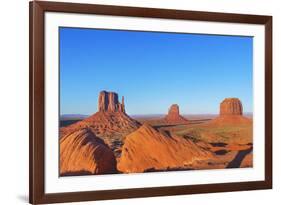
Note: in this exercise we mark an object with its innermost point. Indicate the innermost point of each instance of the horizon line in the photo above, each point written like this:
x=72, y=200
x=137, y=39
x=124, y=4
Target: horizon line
x=158, y=114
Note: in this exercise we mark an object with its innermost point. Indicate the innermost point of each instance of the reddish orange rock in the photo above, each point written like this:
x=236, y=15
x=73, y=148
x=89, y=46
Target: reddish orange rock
x=148, y=149
x=174, y=115
x=108, y=102
x=81, y=153
x=231, y=106
x=111, y=118
x=231, y=112
x=111, y=123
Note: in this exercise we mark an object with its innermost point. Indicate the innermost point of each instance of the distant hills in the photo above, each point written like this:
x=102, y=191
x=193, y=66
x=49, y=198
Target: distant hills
x=73, y=116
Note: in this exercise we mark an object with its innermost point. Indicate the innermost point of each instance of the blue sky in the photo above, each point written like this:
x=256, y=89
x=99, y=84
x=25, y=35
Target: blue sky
x=153, y=70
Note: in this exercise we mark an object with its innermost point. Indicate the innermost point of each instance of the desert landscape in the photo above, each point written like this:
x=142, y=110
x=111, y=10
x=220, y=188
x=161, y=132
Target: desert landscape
x=146, y=101
x=112, y=142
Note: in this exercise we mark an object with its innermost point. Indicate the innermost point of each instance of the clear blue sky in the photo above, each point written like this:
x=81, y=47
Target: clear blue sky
x=153, y=70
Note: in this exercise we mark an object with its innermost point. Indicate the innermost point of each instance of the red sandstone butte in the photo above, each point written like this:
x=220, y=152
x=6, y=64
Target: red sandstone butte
x=110, y=122
x=174, y=115
x=231, y=112
x=108, y=102
x=231, y=106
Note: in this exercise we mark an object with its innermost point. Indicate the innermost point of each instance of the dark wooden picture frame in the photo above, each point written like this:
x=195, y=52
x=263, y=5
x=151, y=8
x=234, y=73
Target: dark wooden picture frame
x=37, y=193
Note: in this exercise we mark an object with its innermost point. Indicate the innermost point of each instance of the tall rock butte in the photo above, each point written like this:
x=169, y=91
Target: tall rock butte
x=108, y=102
x=174, y=115
x=231, y=112
x=110, y=122
x=231, y=106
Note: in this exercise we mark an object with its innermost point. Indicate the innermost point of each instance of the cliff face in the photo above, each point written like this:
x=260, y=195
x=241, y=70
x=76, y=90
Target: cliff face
x=231, y=106
x=174, y=115
x=109, y=102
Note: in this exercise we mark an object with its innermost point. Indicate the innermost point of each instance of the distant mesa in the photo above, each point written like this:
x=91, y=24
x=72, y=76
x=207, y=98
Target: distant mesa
x=174, y=115
x=231, y=112
x=148, y=149
x=81, y=153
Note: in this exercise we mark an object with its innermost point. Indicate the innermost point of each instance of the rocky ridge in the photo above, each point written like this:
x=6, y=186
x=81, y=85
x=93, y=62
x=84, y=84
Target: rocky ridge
x=147, y=149
x=82, y=152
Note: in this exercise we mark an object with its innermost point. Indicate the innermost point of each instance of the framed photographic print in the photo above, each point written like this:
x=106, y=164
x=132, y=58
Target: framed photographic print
x=138, y=102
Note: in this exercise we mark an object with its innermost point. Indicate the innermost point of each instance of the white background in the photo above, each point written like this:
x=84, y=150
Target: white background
x=14, y=100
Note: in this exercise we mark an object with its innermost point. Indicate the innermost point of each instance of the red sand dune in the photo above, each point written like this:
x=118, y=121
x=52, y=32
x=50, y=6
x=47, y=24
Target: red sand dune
x=147, y=148
x=83, y=153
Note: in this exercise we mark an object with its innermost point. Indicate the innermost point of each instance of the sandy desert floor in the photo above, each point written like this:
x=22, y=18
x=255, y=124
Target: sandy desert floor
x=232, y=144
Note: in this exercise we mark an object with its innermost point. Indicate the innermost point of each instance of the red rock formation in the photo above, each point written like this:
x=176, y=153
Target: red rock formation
x=174, y=115
x=108, y=102
x=81, y=153
x=148, y=149
x=231, y=112
x=122, y=108
x=110, y=118
x=174, y=111
x=110, y=123
x=231, y=106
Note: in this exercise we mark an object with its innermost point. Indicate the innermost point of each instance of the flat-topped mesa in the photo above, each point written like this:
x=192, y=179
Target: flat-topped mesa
x=231, y=106
x=108, y=102
x=174, y=115
x=231, y=113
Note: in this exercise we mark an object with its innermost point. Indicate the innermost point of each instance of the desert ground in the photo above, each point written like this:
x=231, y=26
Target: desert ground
x=110, y=141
